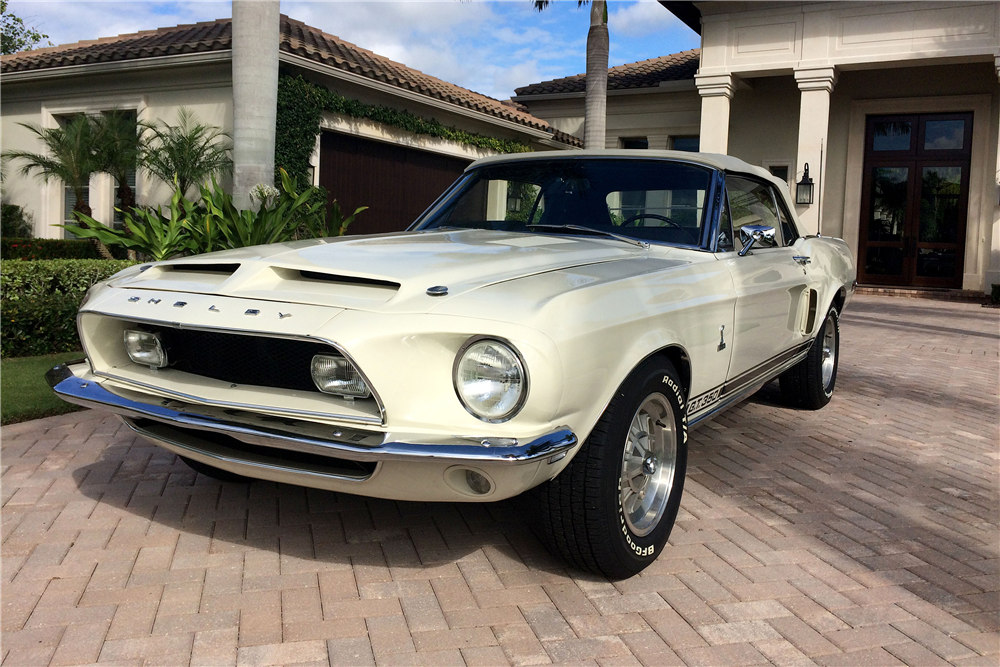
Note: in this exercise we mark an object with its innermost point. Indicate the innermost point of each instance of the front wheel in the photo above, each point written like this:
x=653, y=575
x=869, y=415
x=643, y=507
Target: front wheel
x=809, y=384
x=611, y=510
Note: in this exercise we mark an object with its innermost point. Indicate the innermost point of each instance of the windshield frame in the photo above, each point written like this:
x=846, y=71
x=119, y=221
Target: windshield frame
x=710, y=220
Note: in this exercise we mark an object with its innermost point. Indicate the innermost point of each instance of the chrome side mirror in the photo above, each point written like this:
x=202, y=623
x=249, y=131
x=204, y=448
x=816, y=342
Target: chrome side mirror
x=750, y=234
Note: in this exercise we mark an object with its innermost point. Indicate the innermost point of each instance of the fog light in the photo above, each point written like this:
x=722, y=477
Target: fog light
x=477, y=482
x=145, y=348
x=337, y=375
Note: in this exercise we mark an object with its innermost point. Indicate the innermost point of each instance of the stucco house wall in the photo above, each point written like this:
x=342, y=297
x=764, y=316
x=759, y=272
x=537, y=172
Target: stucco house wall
x=156, y=96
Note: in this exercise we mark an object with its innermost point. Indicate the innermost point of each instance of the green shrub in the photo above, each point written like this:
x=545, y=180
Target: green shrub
x=219, y=224
x=47, y=249
x=153, y=234
x=40, y=300
x=43, y=325
x=15, y=222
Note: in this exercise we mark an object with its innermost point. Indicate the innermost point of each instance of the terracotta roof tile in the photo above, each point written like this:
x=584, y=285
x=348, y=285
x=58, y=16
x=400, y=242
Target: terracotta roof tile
x=643, y=74
x=296, y=37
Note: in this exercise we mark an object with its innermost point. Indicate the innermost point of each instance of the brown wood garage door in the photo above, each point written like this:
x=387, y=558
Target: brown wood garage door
x=396, y=184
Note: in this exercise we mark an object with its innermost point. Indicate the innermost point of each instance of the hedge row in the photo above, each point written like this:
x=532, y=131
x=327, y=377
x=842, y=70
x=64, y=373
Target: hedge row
x=39, y=301
x=48, y=249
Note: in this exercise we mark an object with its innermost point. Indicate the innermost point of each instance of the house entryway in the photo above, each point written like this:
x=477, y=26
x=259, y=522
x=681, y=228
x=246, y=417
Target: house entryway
x=914, y=201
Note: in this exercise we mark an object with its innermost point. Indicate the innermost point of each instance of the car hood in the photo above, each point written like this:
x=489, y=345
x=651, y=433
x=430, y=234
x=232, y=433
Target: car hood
x=381, y=272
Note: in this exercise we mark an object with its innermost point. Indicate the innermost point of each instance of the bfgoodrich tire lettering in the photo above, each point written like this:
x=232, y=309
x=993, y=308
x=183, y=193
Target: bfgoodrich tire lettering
x=810, y=383
x=611, y=510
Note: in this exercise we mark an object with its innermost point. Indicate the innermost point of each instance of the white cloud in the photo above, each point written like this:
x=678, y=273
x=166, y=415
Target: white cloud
x=642, y=18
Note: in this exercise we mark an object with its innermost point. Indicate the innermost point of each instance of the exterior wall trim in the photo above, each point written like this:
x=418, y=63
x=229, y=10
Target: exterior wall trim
x=101, y=186
x=369, y=129
x=980, y=212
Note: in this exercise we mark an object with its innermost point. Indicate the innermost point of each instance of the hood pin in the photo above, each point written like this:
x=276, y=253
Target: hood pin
x=437, y=290
x=180, y=304
x=252, y=311
x=282, y=315
x=213, y=309
x=133, y=299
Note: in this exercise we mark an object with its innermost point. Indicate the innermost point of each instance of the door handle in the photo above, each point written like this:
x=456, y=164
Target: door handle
x=801, y=259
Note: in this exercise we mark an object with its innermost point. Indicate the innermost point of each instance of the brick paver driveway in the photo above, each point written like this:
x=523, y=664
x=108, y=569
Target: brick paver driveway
x=863, y=534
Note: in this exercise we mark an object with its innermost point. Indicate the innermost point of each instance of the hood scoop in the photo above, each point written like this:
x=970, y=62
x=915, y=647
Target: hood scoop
x=189, y=272
x=347, y=280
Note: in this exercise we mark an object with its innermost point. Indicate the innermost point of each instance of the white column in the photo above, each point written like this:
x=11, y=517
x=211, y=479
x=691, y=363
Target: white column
x=816, y=85
x=993, y=271
x=255, y=94
x=716, y=91
x=658, y=142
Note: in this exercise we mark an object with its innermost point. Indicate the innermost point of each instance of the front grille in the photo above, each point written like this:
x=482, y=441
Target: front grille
x=242, y=359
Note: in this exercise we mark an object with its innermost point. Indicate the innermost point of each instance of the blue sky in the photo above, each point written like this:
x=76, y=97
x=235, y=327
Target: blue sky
x=491, y=47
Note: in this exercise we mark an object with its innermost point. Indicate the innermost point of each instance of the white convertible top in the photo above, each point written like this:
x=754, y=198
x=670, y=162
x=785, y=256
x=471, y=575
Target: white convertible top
x=716, y=160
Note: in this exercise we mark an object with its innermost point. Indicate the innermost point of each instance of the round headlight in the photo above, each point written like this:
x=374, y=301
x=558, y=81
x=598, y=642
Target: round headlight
x=490, y=379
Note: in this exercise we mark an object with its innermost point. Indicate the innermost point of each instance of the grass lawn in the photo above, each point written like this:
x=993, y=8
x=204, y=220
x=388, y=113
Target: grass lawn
x=24, y=393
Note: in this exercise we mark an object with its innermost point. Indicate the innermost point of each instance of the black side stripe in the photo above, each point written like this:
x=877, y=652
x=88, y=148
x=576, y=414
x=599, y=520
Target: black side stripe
x=753, y=376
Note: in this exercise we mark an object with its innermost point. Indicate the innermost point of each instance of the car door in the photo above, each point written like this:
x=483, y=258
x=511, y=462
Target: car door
x=770, y=281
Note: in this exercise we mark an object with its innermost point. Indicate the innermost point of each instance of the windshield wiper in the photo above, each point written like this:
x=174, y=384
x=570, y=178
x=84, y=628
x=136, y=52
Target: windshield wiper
x=591, y=230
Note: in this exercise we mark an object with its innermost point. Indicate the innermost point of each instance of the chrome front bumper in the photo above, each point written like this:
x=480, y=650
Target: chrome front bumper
x=296, y=451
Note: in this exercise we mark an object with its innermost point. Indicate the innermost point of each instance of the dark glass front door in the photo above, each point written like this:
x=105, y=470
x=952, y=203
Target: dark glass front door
x=915, y=200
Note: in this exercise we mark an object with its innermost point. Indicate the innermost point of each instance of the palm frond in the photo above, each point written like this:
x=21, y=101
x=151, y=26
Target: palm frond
x=190, y=152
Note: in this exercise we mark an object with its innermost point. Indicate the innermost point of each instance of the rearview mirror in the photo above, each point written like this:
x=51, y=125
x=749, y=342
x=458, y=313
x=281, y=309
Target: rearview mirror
x=750, y=234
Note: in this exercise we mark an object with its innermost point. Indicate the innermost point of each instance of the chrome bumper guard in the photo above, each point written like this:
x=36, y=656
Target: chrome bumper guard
x=307, y=437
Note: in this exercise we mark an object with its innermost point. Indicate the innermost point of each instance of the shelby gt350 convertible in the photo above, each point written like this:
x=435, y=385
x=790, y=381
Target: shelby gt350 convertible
x=553, y=322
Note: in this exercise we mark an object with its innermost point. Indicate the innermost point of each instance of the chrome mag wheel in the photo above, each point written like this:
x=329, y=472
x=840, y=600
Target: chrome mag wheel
x=649, y=464
x=829, y=355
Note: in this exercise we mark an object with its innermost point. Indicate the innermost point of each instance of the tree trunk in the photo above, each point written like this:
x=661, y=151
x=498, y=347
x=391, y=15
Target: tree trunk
x=256, y=27
x=126, y=197
x=596, y=104
x=83, y=208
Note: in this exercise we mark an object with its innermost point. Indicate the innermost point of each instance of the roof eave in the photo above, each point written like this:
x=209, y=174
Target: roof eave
x=687, y=12
x=673, y=86
x=131, y=65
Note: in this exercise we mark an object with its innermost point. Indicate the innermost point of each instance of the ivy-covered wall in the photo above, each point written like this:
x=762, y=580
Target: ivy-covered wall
x=300, y=109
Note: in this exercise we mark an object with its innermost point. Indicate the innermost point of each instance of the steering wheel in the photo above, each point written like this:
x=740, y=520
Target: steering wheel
x=631, y=220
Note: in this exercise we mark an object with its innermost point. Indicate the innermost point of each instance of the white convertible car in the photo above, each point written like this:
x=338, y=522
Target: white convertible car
x=555, y=322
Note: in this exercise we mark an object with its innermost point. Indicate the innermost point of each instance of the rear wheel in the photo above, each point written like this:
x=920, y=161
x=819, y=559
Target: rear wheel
x=611, y=510
x=810, y=383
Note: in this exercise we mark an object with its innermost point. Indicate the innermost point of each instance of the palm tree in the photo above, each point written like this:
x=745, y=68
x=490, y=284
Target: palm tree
x=71, y=157
x=190, y=152
x=119, y=145
x=596, y=102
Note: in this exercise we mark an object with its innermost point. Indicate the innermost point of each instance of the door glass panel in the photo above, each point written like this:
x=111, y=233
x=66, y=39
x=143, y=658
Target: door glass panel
x=889, y=188
x=892, y=135
x=939, y=214
x=884, y=261
x=936, y=263
x=944, y=135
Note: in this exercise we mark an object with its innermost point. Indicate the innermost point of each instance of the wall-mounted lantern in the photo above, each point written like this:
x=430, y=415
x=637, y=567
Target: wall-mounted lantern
x=804, y=188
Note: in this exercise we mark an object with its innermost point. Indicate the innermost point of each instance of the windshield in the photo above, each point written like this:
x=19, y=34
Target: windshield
x=652, y=200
